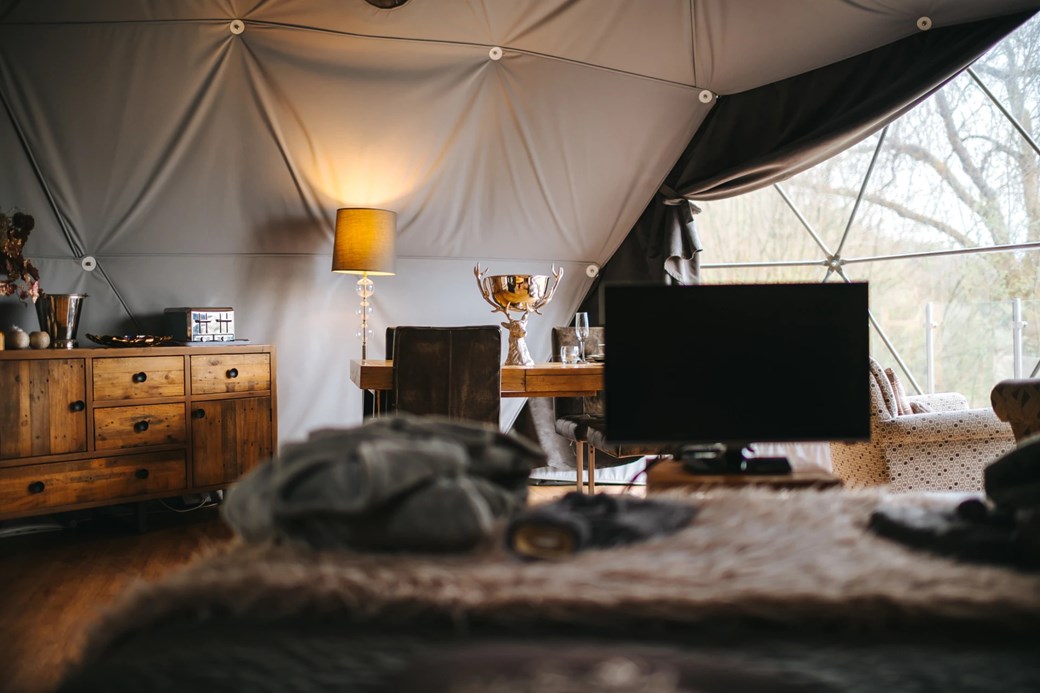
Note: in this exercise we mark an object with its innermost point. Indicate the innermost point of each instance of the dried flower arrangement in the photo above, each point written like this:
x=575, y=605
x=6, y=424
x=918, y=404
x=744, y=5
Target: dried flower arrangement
x=18, y=275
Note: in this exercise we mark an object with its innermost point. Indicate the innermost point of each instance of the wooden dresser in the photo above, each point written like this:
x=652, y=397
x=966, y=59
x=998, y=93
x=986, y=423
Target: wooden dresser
x=88, y=427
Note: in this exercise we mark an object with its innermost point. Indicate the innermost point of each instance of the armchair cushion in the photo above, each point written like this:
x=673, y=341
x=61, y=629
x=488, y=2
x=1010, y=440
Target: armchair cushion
x=943, y=426
x=940, y=401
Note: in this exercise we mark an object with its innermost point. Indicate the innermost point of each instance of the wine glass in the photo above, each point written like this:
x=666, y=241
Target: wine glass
x=581, y=330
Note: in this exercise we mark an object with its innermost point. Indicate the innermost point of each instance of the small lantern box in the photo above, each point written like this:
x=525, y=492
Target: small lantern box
x=201, y=324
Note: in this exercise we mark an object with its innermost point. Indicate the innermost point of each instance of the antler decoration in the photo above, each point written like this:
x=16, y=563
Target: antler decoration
x=479, y=274
x=540, y=303
x=524, y=289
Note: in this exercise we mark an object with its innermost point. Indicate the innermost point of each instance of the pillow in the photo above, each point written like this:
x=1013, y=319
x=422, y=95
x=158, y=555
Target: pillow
x=920, y=408
x=900, y=394
x=885, y=386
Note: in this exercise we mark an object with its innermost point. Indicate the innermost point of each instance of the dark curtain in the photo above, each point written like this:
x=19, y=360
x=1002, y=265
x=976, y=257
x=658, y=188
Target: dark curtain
x=765, y=135
x=662, y=247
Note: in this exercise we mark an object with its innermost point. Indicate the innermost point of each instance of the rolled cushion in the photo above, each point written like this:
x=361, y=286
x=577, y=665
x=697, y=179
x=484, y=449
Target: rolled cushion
x=902, y=403
x=883, y=383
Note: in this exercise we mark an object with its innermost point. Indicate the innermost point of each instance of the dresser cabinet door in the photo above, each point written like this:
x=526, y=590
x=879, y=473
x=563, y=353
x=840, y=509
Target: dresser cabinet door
x=42, y=407
x=229, y=437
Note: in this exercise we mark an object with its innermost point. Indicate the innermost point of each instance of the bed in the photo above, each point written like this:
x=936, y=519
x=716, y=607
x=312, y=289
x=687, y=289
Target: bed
x=766, y=590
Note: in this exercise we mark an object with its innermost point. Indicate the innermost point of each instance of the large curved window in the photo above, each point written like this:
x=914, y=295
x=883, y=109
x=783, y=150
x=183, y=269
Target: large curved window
x=940, y=212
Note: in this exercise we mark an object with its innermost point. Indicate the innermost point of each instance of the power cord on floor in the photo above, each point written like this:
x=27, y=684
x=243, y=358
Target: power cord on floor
x=207, y=502
x=649, y=465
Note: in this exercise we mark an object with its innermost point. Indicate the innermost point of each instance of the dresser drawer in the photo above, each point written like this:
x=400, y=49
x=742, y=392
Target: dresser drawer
x=131, y=427
x=230, y=373
x=86, y=481
x=138, y=378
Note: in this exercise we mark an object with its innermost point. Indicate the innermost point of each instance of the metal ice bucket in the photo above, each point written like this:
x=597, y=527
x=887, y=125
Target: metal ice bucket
x=59, y=317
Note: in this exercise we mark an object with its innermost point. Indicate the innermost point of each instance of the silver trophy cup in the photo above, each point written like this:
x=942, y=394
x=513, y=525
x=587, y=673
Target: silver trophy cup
x=517, y=293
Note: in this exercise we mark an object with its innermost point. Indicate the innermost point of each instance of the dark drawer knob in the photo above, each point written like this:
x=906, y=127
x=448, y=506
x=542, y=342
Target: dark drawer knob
x=141, y=474
x=78, y=405
x=36, y=487
x=232, y=373
x=141, y=426
x=139, y=377
x=198, y=414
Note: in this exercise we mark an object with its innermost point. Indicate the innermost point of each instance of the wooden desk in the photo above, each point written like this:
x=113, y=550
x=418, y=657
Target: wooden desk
x=539, y=380
x=670, y=474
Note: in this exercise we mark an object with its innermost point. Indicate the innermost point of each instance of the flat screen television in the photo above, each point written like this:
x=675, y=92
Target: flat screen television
x=721, y=366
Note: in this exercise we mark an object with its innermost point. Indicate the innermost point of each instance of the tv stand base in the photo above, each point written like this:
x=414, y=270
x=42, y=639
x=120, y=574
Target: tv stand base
x=731, y=459
x=672, y=474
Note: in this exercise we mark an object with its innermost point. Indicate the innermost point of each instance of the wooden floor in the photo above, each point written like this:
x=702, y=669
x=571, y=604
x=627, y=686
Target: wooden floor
x=53, y=585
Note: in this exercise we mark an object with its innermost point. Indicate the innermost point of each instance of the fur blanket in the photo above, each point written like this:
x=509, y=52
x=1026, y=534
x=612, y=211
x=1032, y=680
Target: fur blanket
x=752, y=557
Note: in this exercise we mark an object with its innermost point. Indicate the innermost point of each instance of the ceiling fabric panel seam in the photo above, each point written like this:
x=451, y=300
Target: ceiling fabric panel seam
x=70, y=238
x=472, y=44
x=693, y=33
x=188, y=124
x=125, y=22
x=382, y=37
x=440, y=258
x=258, y=78
x=119, y=296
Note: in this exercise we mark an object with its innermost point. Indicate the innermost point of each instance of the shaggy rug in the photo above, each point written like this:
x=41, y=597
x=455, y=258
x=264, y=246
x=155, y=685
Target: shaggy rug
x=753, y=561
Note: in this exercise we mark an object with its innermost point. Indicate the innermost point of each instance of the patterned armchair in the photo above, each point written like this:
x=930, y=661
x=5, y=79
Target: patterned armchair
x=1018, y=403
x=924, y=442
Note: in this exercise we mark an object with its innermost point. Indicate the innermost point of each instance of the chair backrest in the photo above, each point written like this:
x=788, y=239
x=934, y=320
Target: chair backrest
x=448, y=371
x=565, y=336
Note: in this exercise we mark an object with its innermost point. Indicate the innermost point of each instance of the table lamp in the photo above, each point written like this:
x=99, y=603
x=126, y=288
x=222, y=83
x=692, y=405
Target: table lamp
x=364, y=245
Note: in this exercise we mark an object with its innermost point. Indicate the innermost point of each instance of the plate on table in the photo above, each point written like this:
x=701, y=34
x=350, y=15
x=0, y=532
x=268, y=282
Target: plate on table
x=130, y=340
x=595, y=358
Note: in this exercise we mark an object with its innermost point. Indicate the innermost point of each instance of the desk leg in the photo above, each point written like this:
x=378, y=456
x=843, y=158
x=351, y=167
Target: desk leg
x=370, y=403
x=375, y=403
x=592, y=469
x=579, y=466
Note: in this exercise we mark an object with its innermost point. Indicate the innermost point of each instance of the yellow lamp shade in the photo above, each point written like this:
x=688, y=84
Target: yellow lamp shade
x=364, y=241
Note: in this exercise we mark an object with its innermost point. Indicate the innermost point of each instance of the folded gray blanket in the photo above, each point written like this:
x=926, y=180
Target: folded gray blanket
x=398, y=483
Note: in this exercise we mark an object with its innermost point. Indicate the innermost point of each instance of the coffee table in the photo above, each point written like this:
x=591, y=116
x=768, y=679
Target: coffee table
x=669, y=474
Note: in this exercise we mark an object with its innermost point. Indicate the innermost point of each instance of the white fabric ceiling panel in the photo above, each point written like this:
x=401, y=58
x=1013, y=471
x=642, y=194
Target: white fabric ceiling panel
x=124, y=138
x=742, y=44
x=475, y=155
x=123, y=11
x=649, y=37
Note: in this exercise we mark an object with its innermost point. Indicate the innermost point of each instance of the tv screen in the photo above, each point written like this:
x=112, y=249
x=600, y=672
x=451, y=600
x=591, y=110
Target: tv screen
x=735, y=364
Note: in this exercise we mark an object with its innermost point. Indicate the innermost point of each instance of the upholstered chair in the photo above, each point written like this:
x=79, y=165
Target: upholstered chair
x=448, y=371
x=923, y=442
x=1018, y=403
